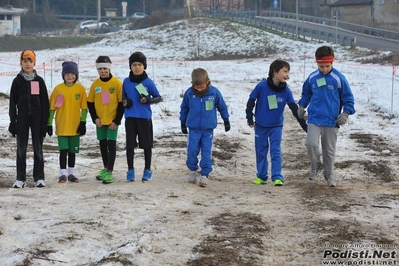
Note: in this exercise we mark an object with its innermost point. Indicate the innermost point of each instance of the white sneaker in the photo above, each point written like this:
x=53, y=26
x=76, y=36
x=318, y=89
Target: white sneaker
x=331, y=182
x=192, y=177
x=40, y=183
x=313, y=173
x=18, y=184
x=203, y=181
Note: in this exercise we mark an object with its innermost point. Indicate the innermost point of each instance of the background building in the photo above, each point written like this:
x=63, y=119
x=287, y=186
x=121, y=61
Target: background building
x=10, y=20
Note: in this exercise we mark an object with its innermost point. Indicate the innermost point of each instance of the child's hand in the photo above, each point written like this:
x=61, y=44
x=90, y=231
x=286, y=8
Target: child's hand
x=227, y=125
x=82, y=128
x=50, y=130
x=127, y=103
x=342, y=119
x=144, y=98
x=12, y=128
x=250, y=123
x=301, y=112
x=184, y=129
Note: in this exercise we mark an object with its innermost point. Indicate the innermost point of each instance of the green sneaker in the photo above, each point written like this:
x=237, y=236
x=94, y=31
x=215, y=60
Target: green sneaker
x=100, y=175
x=108, y=178
x=278, y=182
x=259, y=181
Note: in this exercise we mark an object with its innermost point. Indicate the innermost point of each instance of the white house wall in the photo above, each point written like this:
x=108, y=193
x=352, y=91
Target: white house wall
x=11, y=27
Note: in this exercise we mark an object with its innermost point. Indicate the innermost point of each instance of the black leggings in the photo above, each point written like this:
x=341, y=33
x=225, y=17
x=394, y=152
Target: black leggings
x=147, y=158
x=108, y=153
x=63, y=159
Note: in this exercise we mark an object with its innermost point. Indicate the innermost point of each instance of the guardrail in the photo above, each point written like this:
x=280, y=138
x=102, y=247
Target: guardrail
x=393, y=35
x=249, y=17
x=85, y=17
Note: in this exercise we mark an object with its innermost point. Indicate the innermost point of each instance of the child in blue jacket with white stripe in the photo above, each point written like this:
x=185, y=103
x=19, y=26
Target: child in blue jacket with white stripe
x=329, y=101
x=271, y=96
x=198, y=114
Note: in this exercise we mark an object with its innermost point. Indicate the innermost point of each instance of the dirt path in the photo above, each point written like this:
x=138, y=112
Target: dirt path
x=232, y=222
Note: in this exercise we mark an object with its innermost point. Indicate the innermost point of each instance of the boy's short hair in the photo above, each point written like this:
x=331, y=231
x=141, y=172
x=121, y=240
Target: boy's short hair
x=199, y=76
x=276, y=66
x=324, y=51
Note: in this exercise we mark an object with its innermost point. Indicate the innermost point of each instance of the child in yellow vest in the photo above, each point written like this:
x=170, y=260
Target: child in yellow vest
x=68, y=102
x=106, y=111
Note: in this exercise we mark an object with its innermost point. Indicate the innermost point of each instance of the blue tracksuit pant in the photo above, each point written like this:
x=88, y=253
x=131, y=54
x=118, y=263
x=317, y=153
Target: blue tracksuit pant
x=200, y=141
x=268, y=138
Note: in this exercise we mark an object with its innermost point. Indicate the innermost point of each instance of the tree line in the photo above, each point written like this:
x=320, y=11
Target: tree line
x=44, y=14
x=89, y=7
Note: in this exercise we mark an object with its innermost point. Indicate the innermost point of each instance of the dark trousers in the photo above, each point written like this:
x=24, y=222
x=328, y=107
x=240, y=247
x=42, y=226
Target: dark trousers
x=32, y=122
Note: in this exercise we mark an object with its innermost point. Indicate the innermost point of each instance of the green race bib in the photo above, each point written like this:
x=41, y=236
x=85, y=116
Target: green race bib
x=321, y=82
x=208, y=105
x=141, y=89
x=272, y=100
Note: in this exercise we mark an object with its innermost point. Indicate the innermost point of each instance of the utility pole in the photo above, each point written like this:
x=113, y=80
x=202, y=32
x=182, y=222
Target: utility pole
x=98, y=15
x=336, y=16
x=296, y=19
x=256, y=7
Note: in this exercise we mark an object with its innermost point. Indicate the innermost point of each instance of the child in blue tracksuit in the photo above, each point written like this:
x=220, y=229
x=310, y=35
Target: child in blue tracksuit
x=198, y=114
x=271, y=96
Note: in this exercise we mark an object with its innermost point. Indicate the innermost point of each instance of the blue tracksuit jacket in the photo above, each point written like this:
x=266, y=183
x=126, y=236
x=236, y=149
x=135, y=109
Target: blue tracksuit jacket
x=325, y=96
x=199, y=113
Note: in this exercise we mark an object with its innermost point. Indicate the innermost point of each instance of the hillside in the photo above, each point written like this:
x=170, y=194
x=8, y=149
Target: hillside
x=168, y=221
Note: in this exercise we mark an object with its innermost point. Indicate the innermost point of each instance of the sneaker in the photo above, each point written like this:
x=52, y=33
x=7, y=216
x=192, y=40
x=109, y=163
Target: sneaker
x=100, y=175
x=147, y=175
x=192, y=177
x=108, y=178
x=203, y=181
x=259, y=181
x=130, y=175
x=62, y=179
x=40, y=183
x=72, y=178
x=18, y=184
x=313, y=173
x=278, y=182
x=331, y=182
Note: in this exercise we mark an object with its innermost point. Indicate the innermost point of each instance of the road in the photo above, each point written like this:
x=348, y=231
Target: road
x=362, y=40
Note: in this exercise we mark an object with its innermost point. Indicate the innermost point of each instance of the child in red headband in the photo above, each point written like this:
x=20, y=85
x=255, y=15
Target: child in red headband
x=329, y=100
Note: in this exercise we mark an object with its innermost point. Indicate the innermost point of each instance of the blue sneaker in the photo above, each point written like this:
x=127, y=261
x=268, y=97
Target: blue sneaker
x=130, y=175
x=147, y=175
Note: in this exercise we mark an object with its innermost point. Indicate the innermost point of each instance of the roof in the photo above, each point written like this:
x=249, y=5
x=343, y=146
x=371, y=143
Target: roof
x=352, y=3
x=10, y=10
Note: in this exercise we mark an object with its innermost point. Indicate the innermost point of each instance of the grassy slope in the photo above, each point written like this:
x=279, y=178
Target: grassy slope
x=15, y=44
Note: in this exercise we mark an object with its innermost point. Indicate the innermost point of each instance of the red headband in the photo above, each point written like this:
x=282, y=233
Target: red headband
x=325, y=59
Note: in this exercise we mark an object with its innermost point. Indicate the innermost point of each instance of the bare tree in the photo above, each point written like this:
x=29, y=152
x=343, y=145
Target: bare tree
x=48, y=13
